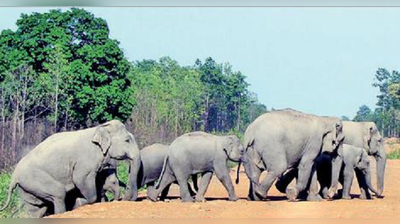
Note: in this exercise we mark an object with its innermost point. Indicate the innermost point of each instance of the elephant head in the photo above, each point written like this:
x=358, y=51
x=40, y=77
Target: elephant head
x=363, y=165
x=114, y=140
x=112, y=184
x=233, y=148
x=373, y=143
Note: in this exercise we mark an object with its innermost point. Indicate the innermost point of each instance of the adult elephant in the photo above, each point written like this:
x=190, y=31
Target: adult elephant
x=199, y=152
x=287, y=139
x=152, y=160
x=366, y=135
x=69, y=160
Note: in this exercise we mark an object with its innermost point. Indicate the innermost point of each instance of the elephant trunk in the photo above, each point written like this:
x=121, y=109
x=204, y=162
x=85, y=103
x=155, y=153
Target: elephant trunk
x=380, y=171
x=117, y=193
x=132, y=186
x=337, y=162
x=368, y=182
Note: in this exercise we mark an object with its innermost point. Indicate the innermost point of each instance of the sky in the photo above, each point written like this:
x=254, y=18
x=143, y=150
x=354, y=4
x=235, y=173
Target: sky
x=316, y=60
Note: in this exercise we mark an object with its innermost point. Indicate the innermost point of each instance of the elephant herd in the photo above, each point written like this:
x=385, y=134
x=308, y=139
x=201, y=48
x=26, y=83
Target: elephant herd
x=71, y=169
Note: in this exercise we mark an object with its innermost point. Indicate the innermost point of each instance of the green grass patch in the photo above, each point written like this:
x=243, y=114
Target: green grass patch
x=394, y=154
x=5, y=179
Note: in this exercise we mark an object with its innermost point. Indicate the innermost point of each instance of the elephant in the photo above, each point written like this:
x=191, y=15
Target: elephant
x=366, y=135
x=69, y=160
x=199, y=152
x=355, y=159
x=152, y=160
x=106, y=180
x=287, y=139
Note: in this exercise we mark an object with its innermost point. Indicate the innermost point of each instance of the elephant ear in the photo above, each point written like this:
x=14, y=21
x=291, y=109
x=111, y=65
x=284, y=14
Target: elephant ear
x=367, y=137
x=102, y=138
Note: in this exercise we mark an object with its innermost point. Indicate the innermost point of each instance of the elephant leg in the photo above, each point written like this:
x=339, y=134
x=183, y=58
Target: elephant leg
x=87, y=187
x=313, y=194
x=166, y=180
x=252, y=196
x=204, y=183
x=306, y=170
x=53, y=191
x=223, y=175
x=183, y=179
x=348, y=175
x=364, y=191
x=150, y=190
x=35, y=211
x=285, y=180
x=164, y=193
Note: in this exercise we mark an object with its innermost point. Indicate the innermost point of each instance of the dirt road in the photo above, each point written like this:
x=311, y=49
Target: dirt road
x=217, y=205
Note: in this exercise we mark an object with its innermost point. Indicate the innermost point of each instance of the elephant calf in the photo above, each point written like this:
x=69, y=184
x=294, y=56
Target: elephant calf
x=152, y=160
x=199, y=152
x=355, y=159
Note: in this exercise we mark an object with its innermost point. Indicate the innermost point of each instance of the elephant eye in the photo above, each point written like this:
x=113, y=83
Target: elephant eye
x=127, y=141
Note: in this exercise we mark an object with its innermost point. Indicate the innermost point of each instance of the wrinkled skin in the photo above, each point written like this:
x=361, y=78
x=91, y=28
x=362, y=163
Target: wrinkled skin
x=366, y=135
x=152, y=160
x=355, y=160
x=203, y=153
x=286, y=140
x=60, y=163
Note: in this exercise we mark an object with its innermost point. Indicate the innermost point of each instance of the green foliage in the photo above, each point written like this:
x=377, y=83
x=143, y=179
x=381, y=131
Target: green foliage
x=78, y=74
x=394, y=154
x=5, y=179
x=363, y=114
x=387, y=114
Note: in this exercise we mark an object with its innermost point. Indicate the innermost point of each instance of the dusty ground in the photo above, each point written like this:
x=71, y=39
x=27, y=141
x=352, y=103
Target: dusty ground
x=217, y=205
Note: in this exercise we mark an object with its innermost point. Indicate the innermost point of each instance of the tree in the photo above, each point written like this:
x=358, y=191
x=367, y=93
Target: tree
x=363, y=114
x=345, y=118
x=73, y=47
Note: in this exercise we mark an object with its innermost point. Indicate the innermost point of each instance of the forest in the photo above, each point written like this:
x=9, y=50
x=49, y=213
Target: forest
x=61, y=71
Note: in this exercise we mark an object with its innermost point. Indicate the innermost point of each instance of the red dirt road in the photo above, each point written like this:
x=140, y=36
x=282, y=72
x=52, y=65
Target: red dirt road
x=217, y=205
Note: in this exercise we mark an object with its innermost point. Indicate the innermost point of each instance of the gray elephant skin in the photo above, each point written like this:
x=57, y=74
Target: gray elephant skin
x=366, y=135
x=69, y=160
x=152, y=160
x=106, y=180
x=287, y=139
x=199, y=153
x=355, y=160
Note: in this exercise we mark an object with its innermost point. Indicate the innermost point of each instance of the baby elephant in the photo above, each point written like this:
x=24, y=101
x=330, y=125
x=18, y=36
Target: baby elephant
x=356, y=160
x=152, y=160
x=199, y=152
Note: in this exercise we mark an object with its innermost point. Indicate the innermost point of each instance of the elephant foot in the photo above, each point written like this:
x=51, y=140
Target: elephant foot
x=233, y=198
x=346, y=197
x=291, y=193
x=152, y=198
x=260, y=193
x=314, y=197
x=200, y=199
x=187, y=200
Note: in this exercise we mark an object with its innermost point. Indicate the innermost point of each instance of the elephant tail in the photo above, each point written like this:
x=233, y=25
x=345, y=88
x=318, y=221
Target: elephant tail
x=237, y=172
x=11, y=188
x=162, y=172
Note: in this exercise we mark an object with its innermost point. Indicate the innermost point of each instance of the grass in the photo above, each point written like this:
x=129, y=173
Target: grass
x=394, y=154
x=5, y=179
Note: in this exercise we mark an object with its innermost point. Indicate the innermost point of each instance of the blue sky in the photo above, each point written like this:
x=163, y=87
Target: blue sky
x=317, y=60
